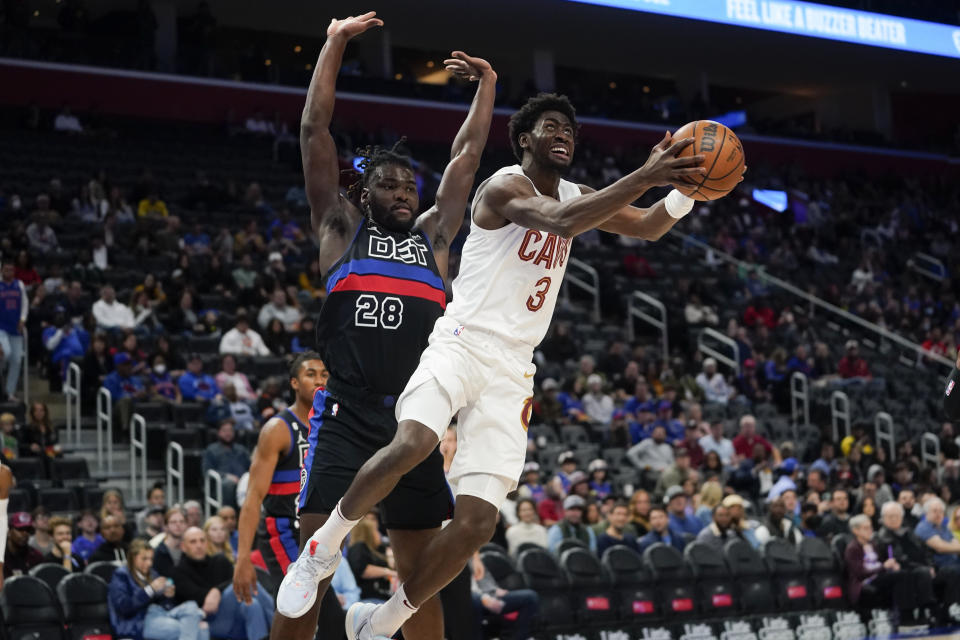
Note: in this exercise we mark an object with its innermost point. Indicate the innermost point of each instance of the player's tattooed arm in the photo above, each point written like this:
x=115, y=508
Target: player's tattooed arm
x=443, y=221
x=321, y=168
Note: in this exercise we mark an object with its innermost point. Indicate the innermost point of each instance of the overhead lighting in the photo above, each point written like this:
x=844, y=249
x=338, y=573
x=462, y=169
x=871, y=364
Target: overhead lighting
x=36, y=14
x=398, y=76
x=613, y=85
x=646, y=89
x=297, y=49
x=430, y=64
x=267, y=62
x=308, y=66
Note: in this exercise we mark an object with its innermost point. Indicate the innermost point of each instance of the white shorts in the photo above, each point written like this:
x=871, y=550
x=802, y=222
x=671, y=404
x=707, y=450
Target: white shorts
x=489, y=381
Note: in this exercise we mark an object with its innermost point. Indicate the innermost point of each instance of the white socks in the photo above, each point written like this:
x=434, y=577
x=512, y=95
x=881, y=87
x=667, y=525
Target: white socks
x=387, y=619
x=334, y=530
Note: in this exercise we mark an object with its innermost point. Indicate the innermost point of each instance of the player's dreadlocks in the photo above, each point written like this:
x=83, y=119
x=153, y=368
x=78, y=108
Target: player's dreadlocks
x=372, y=157
x=524, y=119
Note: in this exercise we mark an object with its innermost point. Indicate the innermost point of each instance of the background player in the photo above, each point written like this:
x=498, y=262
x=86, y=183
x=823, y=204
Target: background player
x=479, y=358
x=275, y=482
x=385, y=291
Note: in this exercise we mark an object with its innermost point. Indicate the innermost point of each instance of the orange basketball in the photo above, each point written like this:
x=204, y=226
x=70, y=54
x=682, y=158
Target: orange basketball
x=724, y=159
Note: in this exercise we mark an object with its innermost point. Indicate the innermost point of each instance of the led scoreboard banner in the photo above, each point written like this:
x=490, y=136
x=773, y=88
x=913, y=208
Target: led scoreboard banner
x=809, y=19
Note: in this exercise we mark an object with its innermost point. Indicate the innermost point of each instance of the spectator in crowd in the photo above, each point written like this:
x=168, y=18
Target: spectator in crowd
x=528, y=529
x=778, y=524
x=615, y=533
x=738, y=520
x=653, y=454
x=65, y=342
x=242, y=340
x=152, y=522
x=567, y=462
x=640, y=505
x=911, y=510
x=229, y=516
x=789, y=471
x=111, y=314
x=661, y=531
x=19, y=556
x=276, y=338
x=718, y=532
x=9, y=444
x=89, y=539
x=167, y=547
x=680, y=520
x=531, y=487
x=61, y=552
x=229, y=374
x=715, y=441
x=199, y=578
x=600, y=486
x=596, y=404
x=43, y=239
x=14, y=310
x=160, y=382
x=675, y=474
x=711, y=494
x=368, y=560
x=837, y=521
x=39, y=438
x=152, y=207
x=550, y=507
x=572, y=525
x=113, y=549
x=748, y=438
x=488, y=596
x=195, y=385
x=227, y=458
x=67, y=121
x=156, y=497
x=42, y=538
x=229, y=405
x=697, y=313
x=96, y=365
x=142, y=602
x=933, y=530
x=751, y=388
x=217, y=538
x=193, y=513
x=713, y=384
x=852, y=365
x=278, y=308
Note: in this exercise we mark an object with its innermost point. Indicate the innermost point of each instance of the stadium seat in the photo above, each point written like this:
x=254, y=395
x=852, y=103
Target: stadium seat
x=614, y=457
x=570, y=543
x=58, y=500
x=673, y=579
x=751, y=576
x=789, y=574
x=716, y=590
x=30, y=610
x=503, y=569
x=543, y=575
x=493, y=546
x=153, y=412
x=592, y=592
x=632, y=582
x=20, y=500
x=572, y=434
x=27, y=468
x=69, y=469
x=83, y=597
x=51, y=573
x=839, y=545
x=523, y=546
x=824, y=571
x=186, y=438
x=103, y=570
x=544, y=431
x=267, y=366
x=188, y=412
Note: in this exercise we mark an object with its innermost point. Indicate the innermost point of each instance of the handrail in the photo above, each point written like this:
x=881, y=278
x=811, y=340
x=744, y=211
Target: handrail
x=175, y=472
x=935, y=270
x=138, y=444
x=734, y=362
x=215, y=500
x=659, y=323
x=840, y=414
x=883, y=430
x=71, y=394
x=931, y=454
x=105, y=424
x=592, y=287
x=813, y=300
x=25, y=364
x=799, y=401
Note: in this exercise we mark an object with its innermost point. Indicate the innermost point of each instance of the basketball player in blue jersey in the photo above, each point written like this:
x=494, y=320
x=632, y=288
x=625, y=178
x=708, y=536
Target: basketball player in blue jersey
x=384, y=267
x=275, y=482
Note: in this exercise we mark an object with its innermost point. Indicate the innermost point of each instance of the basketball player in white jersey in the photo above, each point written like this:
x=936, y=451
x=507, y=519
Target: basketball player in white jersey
x=478, y=361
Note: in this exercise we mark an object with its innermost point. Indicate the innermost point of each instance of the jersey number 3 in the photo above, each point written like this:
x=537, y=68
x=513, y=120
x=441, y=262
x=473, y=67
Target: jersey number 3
x=386, y=313
x=536, y=301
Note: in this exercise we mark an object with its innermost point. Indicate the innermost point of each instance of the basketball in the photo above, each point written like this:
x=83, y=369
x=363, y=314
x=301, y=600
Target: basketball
x=724, y=159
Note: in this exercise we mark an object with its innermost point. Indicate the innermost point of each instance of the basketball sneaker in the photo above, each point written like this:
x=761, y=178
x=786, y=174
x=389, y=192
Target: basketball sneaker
x=298, y=591
x=358, y=622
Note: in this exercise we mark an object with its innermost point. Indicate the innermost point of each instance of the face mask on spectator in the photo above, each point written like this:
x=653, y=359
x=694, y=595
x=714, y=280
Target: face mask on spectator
x=160, y=369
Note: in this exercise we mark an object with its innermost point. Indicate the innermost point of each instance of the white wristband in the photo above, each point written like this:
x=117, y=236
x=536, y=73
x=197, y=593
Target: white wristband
x=677, y=204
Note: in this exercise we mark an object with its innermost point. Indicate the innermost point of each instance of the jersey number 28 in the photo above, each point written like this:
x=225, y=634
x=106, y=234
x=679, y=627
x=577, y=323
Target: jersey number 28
x=386, y=313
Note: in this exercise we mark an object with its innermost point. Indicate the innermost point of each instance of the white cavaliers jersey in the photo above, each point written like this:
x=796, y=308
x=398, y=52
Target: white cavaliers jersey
x=509, y=277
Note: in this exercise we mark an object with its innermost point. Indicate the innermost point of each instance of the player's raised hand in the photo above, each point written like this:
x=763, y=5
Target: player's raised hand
x=663, y=167
x=467, y=67
x=354, y=25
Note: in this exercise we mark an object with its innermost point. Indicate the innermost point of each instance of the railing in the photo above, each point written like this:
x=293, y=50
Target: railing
x=840, y=414
x=883, y=430
x=813, y=301
x=930, y=452
x=732, y=361
x=105, y=424
x=592, y=287
x=799, y=401
x=658, y=322
x=928, y=266
x=25, y=364
x=212, y=501
x=175, y=472
x=138, y=445
x=71, y=394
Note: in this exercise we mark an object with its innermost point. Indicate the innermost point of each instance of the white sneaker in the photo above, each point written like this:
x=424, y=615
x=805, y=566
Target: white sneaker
x=298, y=591
x=358, y=622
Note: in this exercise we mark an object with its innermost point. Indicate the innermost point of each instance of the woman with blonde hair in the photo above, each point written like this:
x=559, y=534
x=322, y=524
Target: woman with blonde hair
x=218, y=541
x=142, y=602
x=955, y=523
x=640, y=511
x=368, y=560
x=709, y=497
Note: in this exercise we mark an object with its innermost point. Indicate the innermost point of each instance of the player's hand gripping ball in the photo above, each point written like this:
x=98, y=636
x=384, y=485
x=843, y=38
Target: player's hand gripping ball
x=725, y=161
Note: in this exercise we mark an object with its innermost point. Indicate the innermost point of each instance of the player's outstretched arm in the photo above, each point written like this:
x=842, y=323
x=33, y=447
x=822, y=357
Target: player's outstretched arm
x=513, y=197
x=321, y=169
x=272, y=443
